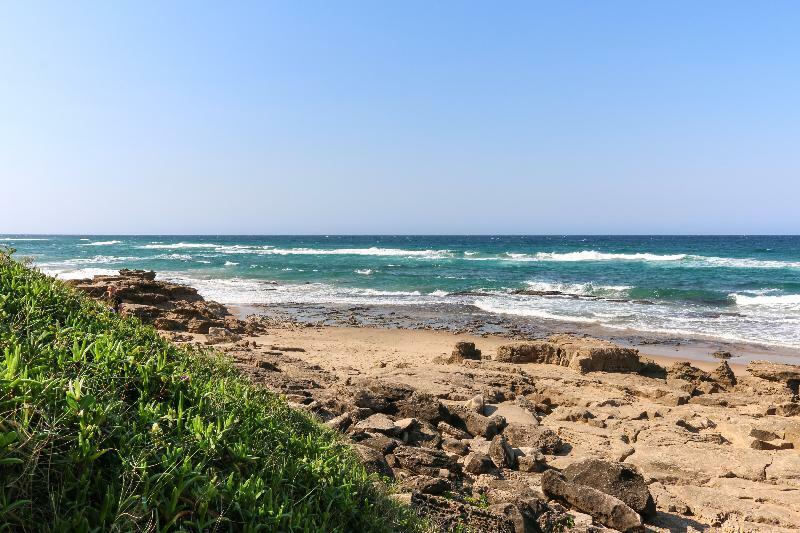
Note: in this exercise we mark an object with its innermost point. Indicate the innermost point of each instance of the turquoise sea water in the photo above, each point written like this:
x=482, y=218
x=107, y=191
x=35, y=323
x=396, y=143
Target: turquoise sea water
x=738, y=288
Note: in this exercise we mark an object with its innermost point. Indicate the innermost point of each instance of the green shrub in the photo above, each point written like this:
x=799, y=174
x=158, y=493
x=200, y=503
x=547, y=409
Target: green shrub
x=106, y=426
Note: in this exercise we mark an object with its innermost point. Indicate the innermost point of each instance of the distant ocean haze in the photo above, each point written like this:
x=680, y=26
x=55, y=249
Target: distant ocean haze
x=737, y=288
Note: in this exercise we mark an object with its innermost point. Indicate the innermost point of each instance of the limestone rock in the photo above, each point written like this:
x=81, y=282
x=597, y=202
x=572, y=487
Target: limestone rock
x=781, y=373
x=464, y=350
x=540, y=438
x=422, y=406
x=373, y=461
x=427, y=484
x=580, y=354
x=724, y=375
x=221, y=335
x=610, y=511
x=501, y=452
x=620, y=480
x=447, y=515
x=476, y=424
x=378, y=423
x=478, y=463
x=423, y=460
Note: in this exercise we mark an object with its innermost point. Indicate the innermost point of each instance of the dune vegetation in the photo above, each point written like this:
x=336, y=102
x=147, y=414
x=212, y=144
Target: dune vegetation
x=106, y=426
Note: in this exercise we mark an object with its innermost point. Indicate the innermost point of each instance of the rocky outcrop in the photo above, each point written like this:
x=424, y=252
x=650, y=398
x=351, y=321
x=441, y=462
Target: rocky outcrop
x=167, y=306
x=788, y=375
x=580, y=354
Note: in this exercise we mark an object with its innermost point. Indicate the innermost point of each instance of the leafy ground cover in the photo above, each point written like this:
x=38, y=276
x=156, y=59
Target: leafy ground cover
x=106, y=426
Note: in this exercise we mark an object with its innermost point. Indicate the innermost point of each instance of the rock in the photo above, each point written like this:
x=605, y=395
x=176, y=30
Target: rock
x=378, y=423
x=221, y=335
x=580, y=354
x=423, y=434
x=792, y=434
x=422, y=406
x=365, y=398
x=478, y=463
x=464, y=350
x=540, y=438
x=340, y=423
x=424, y=461
x=572, y=414
x=373, y=461
x=449, y=515
x=452, y=432
x=620, y=480
x=534, y=462
x=666, y=501
x=787, y=409
x=406, y=424
x=722, y=354
x=382, y=443
x=458, y=447
x=473, y=422
x=724, y=375
x=475, y=404
x=501, y=452
x=427, y=484
x=167, y=306
x=778, y=372
x=530, y=352
x=610, y=511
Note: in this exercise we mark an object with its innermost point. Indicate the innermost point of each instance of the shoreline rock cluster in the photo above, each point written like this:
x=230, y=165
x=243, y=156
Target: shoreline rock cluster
x=563, y=434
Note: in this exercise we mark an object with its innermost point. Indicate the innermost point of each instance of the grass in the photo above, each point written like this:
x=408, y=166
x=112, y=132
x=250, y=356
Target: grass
x=104, y=426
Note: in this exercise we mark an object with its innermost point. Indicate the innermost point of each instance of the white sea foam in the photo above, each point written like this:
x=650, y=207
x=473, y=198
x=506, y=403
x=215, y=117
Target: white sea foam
x=79, y=273
x=782, y=300
x=740, y=262
x=439, y=293
x=177, y=246
x=581, y=289
x=364, y=271
x=230, y=263
x=592, y=255
x=100, y=243
x=388, y=252
x=95, y=260
x=174, y=257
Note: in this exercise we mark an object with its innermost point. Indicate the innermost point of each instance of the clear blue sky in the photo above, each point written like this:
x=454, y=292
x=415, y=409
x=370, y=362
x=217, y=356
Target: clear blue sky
x=400, y=117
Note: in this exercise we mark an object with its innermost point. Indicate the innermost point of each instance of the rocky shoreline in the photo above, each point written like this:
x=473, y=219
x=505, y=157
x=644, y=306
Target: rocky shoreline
x=564, y=433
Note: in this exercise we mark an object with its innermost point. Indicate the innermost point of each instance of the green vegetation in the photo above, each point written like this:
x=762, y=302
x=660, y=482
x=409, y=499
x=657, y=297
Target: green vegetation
x=105, y=426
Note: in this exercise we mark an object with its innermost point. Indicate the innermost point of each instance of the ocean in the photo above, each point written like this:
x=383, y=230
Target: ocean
x=733, y=288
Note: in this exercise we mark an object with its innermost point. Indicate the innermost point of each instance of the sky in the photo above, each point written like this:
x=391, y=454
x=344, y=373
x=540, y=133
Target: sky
x=303, y=117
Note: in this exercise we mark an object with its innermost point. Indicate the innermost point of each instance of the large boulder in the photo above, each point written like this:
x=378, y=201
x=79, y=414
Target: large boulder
x=610, y=511
x=581, y=354
x=620, y=480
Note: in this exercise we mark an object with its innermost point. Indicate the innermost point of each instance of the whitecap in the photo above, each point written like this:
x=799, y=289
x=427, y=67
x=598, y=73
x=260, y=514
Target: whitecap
x=100, y=243
x=364, y=271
